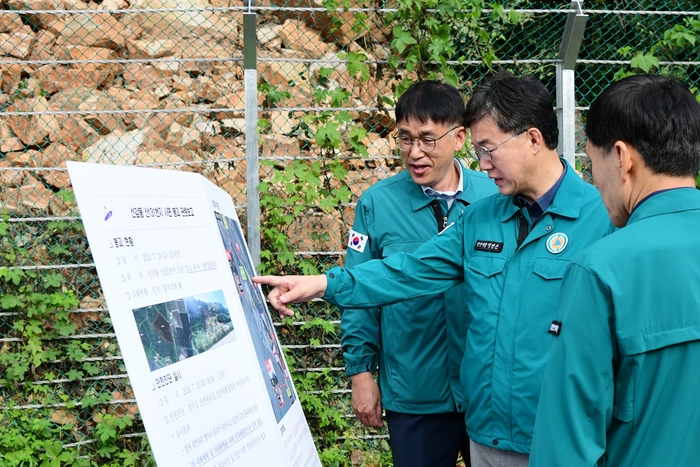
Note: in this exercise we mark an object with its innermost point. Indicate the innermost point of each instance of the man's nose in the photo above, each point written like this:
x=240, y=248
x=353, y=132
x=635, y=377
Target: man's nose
x=415, y=151
x=485, y=164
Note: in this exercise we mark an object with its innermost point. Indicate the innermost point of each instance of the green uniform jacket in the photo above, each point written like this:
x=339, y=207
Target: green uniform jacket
x=623, y=383
x=396, y=216
x=512, y=293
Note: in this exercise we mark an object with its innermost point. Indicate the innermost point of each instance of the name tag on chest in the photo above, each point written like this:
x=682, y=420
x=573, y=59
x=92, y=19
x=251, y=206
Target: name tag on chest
x=488, y=245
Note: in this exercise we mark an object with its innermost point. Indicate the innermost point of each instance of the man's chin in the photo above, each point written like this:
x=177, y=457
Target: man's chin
x=505, y=190
x=422, y=179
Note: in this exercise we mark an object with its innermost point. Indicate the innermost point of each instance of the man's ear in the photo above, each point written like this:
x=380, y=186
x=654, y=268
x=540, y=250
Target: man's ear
x=628, y=159
x=460, y=138
x=535, y=139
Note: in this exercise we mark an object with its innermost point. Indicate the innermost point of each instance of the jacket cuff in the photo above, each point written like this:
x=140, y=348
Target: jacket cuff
x=332, y=276
x=361, y=368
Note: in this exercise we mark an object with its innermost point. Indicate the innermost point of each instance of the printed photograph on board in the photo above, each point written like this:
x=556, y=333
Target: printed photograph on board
x=274, y=369
x=179, y=329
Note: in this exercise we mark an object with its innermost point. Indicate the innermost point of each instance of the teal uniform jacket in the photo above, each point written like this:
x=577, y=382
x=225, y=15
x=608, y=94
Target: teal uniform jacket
x=396, y=216
x=623, y=384
x=512, y=293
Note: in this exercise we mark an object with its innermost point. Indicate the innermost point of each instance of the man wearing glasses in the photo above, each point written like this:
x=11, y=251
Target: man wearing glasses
x=510, y=252
x=418, y=359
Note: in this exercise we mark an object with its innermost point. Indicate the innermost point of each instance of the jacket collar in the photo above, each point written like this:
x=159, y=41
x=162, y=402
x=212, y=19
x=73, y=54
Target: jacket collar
x=666, y=201
x=567, y=201
x=419, y=200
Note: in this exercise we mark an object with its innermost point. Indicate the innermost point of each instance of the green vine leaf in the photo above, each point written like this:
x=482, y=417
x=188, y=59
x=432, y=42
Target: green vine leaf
x=8, y=302
x=402, y=39
x=74, y=375
x=357, y=64
x=54, y=280
x=644, y=61
x=13, y=275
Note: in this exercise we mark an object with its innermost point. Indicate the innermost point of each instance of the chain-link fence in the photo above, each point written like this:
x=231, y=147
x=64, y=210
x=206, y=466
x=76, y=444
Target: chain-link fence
x=163, y=84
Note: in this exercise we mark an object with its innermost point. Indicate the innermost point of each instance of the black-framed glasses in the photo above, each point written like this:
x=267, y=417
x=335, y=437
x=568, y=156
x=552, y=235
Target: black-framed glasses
x=426, y=145
x=485, y=154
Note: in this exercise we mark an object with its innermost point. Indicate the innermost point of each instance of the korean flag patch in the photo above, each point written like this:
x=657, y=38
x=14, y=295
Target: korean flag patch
x=357, y=241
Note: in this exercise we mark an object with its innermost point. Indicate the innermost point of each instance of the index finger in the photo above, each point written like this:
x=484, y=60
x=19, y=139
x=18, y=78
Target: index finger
x=268, y=280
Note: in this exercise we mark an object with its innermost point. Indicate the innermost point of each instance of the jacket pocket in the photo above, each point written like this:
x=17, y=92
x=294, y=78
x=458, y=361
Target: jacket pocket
x=487, y=266
x=550, y=269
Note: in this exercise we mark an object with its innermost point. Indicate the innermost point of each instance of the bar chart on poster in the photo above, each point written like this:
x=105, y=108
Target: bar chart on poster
x=199, y=346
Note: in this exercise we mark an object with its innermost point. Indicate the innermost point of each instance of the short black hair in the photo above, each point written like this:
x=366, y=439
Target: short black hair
x=656, y=115
x=515, y=103
x=431, y=100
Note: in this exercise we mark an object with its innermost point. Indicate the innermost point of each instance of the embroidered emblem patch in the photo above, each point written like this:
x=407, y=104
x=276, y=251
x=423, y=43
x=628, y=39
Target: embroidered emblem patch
x=556, y=243
x=357, y=241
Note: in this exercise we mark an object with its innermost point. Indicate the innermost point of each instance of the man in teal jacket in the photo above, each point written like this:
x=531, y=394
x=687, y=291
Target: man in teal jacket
x=621, y=388
x=425, y=415
x=510, y=251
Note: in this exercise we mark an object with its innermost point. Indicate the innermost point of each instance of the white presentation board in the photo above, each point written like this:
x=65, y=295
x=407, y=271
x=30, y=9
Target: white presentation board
x=200, y=349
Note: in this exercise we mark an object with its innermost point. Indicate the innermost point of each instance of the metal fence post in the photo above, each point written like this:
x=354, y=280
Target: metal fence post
x=251, y=129
x=566, y=85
